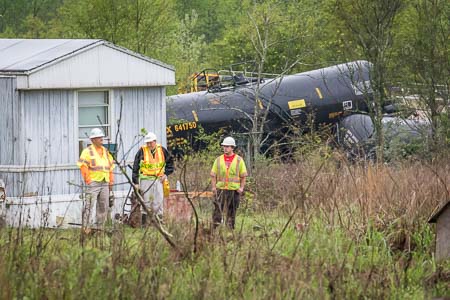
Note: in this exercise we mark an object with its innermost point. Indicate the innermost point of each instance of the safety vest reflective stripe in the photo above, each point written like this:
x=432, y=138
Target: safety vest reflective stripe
x=238, y=160
x=234, y=180
x=93, y=165
x=223, y=173
x=152, y=165
x=83, y=161
x=99, y=167
x=91, y=153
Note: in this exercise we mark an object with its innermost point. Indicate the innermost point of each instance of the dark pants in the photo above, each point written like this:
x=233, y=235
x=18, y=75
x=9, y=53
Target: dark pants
x=226, y=203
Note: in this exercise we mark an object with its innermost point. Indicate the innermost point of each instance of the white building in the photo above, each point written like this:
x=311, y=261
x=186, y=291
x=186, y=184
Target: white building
x=52, y=93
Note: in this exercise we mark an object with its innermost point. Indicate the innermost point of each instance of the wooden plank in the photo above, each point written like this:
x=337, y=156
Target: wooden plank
x=443, y=235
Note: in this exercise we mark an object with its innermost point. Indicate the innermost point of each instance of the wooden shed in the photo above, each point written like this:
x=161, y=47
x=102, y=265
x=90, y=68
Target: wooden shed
x=52, y=93
x=442, y=219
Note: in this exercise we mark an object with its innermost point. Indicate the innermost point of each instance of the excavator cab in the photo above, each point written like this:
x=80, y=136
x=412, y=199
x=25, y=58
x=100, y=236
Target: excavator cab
x=213, y=80
x=204, y=80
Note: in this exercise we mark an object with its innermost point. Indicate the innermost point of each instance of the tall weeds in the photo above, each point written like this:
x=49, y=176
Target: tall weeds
x=359, y=231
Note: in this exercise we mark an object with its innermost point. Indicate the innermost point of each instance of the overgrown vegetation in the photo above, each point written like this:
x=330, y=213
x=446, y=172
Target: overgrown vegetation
x=319, y=228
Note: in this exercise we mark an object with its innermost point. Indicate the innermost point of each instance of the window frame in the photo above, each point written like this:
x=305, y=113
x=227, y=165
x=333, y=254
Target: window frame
x=85, y=141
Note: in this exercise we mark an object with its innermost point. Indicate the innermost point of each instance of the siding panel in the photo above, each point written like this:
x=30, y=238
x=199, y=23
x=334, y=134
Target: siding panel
x=142, y=108
x=49, y=148
x=9, y=119
x=47, y=142
x=49, y=116
x=127, y=70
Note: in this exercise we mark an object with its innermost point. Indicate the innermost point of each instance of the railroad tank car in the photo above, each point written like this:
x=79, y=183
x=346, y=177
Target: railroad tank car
x=323, y=96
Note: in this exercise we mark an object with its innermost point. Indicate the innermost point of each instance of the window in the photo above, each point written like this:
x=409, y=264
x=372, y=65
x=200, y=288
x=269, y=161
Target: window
x=93, y=111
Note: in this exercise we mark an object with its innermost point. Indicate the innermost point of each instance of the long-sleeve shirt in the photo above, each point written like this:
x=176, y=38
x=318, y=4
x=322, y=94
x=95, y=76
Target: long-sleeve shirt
x=168, y=168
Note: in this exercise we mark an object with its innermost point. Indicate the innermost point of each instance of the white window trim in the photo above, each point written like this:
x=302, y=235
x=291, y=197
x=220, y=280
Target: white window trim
x=110, y=113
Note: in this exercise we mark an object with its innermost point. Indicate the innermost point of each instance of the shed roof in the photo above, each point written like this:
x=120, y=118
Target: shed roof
x=435, y=216
x=27, y=55
x=79, y=64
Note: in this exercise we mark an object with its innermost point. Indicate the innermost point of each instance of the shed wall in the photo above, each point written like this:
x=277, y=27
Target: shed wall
x=9, y=120
x=46, y=150
x=48, y=128
x=141, y=108
x=45, y=156
x=10, y=130
x=443, y=235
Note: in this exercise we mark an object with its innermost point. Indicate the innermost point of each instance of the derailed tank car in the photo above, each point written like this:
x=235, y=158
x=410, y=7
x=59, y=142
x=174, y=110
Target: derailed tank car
x=356, y=135
x=324, y=95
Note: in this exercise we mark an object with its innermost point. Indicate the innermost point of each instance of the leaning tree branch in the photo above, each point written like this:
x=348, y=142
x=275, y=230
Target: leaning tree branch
x=155, y=221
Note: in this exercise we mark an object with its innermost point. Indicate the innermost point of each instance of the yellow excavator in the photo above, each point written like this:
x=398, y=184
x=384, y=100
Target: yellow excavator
x=217, y=80
x=204, y=80
x=200, y=81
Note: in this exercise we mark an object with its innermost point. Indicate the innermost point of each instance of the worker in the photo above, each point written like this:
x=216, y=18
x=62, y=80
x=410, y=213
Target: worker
x=96, y=166
x=228, y=175
x=152, y=165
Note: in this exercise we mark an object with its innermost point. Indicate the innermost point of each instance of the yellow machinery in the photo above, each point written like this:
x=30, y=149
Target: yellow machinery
x=203, y=80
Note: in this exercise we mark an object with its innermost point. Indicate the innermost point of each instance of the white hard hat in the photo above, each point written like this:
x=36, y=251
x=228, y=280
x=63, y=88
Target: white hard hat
x=150, y=137
x=95, y=133
x=229, y=141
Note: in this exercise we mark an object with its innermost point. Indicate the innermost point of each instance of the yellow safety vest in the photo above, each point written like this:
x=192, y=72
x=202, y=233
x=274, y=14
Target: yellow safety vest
x=228, y=178
x=99, y=166
x=152, y=166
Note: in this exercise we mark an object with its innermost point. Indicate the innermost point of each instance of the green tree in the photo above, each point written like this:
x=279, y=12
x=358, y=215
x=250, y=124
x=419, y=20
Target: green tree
x=368, y=28
x=304, y=31
x=214, y=17
x=27, y=18
x=96, y=19
x=424, y=55
x=153, y=27
x=190, y=50
x=270, y=35
x=145, y=26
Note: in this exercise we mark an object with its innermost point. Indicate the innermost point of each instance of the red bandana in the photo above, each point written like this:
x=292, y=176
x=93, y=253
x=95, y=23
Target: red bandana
x=229, y=159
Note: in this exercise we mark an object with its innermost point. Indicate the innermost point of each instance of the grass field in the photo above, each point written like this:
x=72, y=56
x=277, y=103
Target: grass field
x=312, y=230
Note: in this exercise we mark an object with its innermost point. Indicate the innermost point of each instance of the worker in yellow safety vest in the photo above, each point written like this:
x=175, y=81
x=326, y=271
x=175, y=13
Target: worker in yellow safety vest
x=152, y=165
x=228, y=175
x=96, y=166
